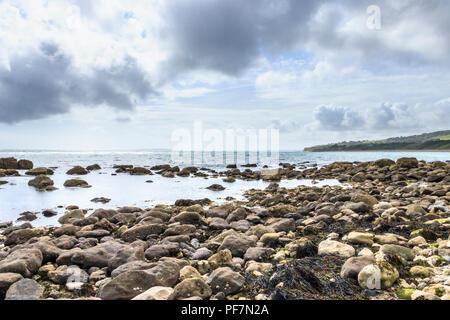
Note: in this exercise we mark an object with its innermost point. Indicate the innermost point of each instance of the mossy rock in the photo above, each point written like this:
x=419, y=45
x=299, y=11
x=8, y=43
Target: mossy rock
x=405, y=294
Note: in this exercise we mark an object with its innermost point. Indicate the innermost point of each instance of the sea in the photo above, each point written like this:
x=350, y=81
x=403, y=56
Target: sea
x=127, y=190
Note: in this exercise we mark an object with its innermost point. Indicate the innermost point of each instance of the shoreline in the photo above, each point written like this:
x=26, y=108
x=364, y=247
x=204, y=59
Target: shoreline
x=301, y=242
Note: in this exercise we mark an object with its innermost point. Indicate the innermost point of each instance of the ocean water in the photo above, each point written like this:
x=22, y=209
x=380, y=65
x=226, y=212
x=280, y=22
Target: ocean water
x=126, y=190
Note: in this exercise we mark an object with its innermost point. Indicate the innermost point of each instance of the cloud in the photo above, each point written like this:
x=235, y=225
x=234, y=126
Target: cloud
x=285, y=126
x=388, y=115
x=337, y=118
x=45, y=82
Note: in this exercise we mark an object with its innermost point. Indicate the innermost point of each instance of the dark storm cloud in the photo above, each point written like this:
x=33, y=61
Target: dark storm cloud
x=45, y=83
x=227, y=36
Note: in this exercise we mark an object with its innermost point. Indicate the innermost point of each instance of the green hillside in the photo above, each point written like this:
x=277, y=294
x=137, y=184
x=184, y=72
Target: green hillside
x=439, y=141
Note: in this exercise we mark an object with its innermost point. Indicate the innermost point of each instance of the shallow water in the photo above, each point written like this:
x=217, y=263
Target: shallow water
x=126, y=190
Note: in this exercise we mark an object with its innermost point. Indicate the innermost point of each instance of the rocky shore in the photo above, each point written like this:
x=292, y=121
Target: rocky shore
x=384, y=234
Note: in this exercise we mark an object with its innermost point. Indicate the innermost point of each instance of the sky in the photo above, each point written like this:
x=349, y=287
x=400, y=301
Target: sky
x=122, y=75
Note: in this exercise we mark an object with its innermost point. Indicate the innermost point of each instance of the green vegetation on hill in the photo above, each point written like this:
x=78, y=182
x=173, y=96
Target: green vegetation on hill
x=439, y=140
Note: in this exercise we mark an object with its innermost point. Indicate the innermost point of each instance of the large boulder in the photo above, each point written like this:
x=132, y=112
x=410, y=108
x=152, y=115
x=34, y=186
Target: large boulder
x=408, y=163
x=41, y=182
x=73, y=214
x=6, y=280
x=8, y=163
x=23, y=261
x=78, y=170
x=399, y=251
x=26, y=289
x=25, y=165
x=384, y=163
x=74, y=183
x=21, y=236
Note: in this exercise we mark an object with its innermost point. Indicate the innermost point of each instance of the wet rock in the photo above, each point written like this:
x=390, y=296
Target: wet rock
x=93, y=167
x=41, y=182
x=162, y=250
x=76, y=183
x=101, y=200
x=27, y=216
x=25, y=165
x=127, y=285
x=225, y=280
x=49, y=213
x=39, y=171
x=73, y=214
x=140, y=171
x=201, y=254
x=258, y=254
x=78, y=170
x=8, y=163
x=25, y=289
x=408, y=163
x=384, y=163
x=216, y=187
x=335, y=248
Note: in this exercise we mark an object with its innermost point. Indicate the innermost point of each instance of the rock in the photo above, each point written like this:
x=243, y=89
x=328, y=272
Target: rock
x=65, y=274
x=421, y=272
x=237, y=244
x=188, y=218
x=73, y=214
x=335, y=248
x=27, y=216
x=39, y=171
x=133, y=265
x=127, y=285
x=384, y=163
x=357, y=207
x=216, y=187
x=353, y=266
x=21, y=236
x=6, y=280
x=74, y=183
x=162, y=250
x=140, y=171
x=422, y=295
x=381, y=275
x=49, y=213
x=367, y=199
x=142, y=232
x=415, y=211
x=101, y=200
x=8, y=163
x=41, y=182
x=360, y=238
x=258, y=268
x=202, y=254
x=192, y=287
x=220, y=259
x=155, y=293
x=417, y=241
x=93, y=167
x=408, y=163
x=188, y=272
x=399, y=251
x=25, y=165
x=25, y=289
x=77, y=171
x=385, y=239
x=225, y=280
x=258, y=254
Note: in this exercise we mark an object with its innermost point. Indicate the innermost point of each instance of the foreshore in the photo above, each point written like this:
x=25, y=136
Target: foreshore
x=383, y=234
